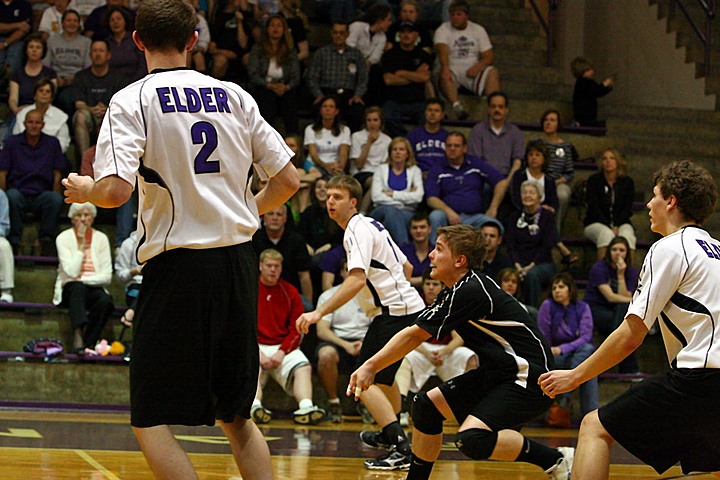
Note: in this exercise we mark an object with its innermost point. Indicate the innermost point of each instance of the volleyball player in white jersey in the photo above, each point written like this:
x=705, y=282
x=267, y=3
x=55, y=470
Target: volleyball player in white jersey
x=673, y=416
x=193, y=142
x=378, y=271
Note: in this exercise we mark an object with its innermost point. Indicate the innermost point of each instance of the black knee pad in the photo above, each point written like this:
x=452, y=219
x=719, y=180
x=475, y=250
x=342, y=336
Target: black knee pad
x=426, y=417
x=476, y=443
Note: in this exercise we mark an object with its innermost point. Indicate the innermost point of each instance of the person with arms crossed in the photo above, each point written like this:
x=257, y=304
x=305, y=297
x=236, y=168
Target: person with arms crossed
x=672, y=416
x=492, y=402
x=193, y=142
x=376, y=263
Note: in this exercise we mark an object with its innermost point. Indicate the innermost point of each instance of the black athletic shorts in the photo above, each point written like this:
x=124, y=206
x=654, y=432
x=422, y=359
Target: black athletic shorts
x=492, y=396
x=668, y=418
x=346, y=363
x=195, y=352
x=381, y=330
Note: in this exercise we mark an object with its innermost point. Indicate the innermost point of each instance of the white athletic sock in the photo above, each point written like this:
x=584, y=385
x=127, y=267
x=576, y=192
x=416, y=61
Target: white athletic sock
x=256, y=403
x=305, y=403
x=333, y=401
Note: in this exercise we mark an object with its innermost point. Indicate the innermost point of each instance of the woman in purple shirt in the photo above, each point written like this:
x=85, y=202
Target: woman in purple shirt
x=567, y=325
x=611, y=284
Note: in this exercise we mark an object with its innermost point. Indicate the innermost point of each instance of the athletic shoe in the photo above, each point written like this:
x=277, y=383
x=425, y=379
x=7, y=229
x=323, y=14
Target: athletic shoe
x=309, y=415
x=391, y=461
x=260, y=414
x=563, y=468
x=335, y=413
x=365, y=414
x=404, y=419
x=375, y=440
x=460, y=111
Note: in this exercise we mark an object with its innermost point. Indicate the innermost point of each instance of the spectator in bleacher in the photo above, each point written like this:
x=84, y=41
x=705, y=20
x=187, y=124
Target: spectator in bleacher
x=196, y=57
x=567, y=325
x=397, y=190
x=55, y=120
x=51, y=21
x=30, y=171
x=587, y=91
x=465, y=57
x=7, y=260
x=407, y=70
x=129, y=273
x=530, y=237
x=428, y=141
x=418, y=249
x=335, y=10
x=327, y=140
x=496, y=140
x=561, y=158
x=23, y=80
x=495, y=260
x=367, y=34
x=536, y=161
x=454, y=188
x=289, y=242
x=15, y=23
x=86, y=7
x=410, y=13
x=279, y=305
x=84, y=270
x=510, y=282
x=125, y=57
x=341, y=334
x=609, y=196
x=264, y=9
x=341, y=71
x=331, y=266
x=274, y=72
x=368, y=151
x=303, y=197
x=93, y=88
x=95, y=25
x=67, y=53
x=319, y=231
x=230, y=38
x=611, y=284
x=292, y=13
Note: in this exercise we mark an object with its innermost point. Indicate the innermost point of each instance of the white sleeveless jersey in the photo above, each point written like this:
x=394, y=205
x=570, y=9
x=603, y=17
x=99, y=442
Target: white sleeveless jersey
x=678, y=287
x=192, y=140
x=369, y=246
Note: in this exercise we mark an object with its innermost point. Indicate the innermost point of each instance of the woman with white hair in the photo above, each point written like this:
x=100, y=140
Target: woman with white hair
x=84, y=270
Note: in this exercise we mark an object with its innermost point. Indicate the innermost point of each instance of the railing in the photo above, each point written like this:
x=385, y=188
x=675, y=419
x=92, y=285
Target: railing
x=704, y=35
x=546, y=24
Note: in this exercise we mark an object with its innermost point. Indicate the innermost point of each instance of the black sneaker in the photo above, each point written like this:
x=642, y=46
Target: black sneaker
x=391, y=461
x=375, y=440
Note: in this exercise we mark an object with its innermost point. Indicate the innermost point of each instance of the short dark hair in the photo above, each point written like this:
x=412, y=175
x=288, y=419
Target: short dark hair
x=498, y=93
x=42, y=82
x=435, y=101
x=461, y=5
x=540, y=146
x=101, y=40
x=165, y=24
x=465, y=240
x=69, y=11
x=692, y=185
x=125, y=14
x=420, y=217
x=494, y=225
x=377, y=11
x=347, y=183
x=568, y=280
x=33, y=37
x=580, y=65
x=458, y=134
x=548, y=112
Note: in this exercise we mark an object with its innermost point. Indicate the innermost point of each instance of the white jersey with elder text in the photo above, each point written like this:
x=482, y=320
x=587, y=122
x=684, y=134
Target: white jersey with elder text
x=678, y=287
x=193, y=141
x=369, y=247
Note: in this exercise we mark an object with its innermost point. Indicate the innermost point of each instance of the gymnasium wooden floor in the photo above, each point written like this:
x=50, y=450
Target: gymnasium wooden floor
x=39, y=445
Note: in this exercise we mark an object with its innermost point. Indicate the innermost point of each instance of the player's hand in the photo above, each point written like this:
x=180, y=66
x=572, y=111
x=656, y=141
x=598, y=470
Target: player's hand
x=437, y=358
x=558, y=381
x=360, y=380
x=77, y=188
x=357, y=346
x=356, y=99
x=302, y=324
x=265, y=362
x=277, y=358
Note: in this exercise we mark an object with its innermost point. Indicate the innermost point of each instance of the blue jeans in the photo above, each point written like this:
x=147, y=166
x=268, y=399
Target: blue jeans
x=589, y=389
x=47, y=205
x=396, y=221
x=439, y=219
x=12, y=55
x=535, y=280
x=124, y=221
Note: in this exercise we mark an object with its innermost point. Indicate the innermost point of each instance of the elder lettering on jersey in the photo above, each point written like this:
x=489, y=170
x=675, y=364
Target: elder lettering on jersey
x=191, y=100
x=711, y=250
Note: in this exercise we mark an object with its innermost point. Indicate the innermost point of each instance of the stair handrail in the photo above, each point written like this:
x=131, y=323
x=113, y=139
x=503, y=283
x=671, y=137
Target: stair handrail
x=705, y=37
x=546, y=24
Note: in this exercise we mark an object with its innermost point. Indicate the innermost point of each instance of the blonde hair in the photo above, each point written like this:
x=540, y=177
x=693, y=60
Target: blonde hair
x=270, y=254
x=411, y=155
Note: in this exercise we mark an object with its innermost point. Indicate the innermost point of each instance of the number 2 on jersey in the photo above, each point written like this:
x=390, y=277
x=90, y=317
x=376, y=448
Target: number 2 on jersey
x=204, y=133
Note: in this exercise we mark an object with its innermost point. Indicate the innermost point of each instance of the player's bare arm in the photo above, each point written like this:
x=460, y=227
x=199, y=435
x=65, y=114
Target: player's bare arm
x=278, y=190
x=621, y=343
x=350, y=287
x=109, y=192
x=400, y=345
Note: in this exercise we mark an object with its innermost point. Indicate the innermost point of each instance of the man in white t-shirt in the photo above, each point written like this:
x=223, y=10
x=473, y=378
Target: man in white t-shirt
x=465, y=57
x=192, y=142
x=673, y=416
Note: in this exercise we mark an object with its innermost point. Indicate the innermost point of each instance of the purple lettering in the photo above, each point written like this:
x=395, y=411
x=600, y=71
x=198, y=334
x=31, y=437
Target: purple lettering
x=706, y=248
x=193, y=100
x=164, y=98
x=178, y=104
x=716, y=250
x=221, y=99
x=206, y=95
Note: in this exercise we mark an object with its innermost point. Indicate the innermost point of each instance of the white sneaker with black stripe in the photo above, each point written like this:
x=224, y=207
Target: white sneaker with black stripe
x=562, y=469
x=391, y=461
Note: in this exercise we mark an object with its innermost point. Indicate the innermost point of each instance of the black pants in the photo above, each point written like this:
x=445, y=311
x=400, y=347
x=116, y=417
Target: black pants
x=89, y=306
x=272, y=106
